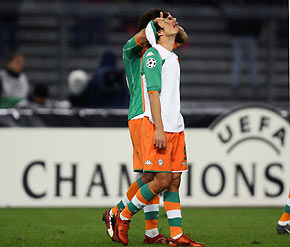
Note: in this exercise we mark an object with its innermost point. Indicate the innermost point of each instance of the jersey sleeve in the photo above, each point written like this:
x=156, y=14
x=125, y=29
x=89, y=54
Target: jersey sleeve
x=132, y=49
x=152, y=65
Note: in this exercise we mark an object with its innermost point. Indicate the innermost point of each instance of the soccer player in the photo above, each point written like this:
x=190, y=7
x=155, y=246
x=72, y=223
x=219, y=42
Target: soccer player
x=162, y=135
x=283, y=226
x=132, y=54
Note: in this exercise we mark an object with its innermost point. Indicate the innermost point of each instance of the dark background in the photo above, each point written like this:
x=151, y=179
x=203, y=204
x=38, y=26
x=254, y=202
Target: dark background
x=58, y=36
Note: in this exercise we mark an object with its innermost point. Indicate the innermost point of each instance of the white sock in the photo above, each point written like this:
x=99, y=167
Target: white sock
x=122, y=217
x=178, y=236
x=152, y=233
x=111, y=213
x=284, y=223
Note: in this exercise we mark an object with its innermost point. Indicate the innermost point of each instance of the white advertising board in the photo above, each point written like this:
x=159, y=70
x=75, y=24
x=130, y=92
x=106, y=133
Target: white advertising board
x=243, y=159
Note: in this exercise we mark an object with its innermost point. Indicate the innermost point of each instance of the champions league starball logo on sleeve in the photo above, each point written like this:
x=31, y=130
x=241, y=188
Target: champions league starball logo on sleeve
x=151, y=63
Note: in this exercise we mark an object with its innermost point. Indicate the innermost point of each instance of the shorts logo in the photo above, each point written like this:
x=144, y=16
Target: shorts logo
x=148, y=162
x=160, y=162
x=151, y=63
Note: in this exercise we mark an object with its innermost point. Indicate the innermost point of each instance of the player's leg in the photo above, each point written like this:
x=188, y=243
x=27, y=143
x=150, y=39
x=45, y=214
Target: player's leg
x=173, y=211
x=283, y=226
x=142, y=198
x=145, y=194
x=135, y=133
x=171, y=196
x=172, y=207
x=151, y=211
x=134, y=187
x=158, y=163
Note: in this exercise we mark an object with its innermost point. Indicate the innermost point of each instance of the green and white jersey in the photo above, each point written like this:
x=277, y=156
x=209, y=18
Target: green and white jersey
x=132, y=55
x=161, y=72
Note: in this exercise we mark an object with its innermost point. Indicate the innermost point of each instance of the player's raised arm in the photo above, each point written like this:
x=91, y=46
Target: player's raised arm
x=140, y=38
x=181, y=36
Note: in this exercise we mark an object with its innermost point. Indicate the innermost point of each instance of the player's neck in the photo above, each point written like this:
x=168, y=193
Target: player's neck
x=167, y=42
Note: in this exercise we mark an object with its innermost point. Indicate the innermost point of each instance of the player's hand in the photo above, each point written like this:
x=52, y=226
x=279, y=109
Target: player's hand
x=180, y=28
x=160, y=139
x=160, y=18
x=170, y=17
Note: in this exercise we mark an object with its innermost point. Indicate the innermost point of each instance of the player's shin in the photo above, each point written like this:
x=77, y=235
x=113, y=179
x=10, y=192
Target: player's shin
x=173, y=212
x=286, y=214
x=134, y=187
x=151, y=212
x=139, y=201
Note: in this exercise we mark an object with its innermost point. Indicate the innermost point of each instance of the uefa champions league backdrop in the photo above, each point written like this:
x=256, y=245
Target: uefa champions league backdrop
x=242, y=159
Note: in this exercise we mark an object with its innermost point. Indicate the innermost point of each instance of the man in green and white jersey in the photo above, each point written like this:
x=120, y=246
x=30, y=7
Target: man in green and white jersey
x=132, y=58
x=162, y=135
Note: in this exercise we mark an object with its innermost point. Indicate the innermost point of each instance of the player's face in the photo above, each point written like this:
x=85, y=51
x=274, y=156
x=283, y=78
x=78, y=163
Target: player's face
x=169, y=25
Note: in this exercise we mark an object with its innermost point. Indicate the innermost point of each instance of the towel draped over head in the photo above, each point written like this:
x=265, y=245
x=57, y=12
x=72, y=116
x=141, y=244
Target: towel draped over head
x=151, y=34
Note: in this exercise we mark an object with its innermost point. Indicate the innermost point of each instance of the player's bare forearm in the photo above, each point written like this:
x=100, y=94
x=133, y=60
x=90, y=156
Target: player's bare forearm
x=181, y=36
x=156, y=109
x=141, y=38
x=159, y=136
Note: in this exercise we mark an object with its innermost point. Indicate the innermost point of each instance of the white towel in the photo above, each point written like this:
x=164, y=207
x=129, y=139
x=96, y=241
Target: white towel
x=151, y=34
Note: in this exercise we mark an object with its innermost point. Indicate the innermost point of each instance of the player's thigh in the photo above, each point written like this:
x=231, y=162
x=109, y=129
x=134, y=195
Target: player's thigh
x=155, y=160
x=179, y=155
x=135, y=133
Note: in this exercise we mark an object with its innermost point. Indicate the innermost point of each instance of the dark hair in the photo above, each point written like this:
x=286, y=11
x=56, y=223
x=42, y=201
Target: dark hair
x=158, y=28
x=148, y=16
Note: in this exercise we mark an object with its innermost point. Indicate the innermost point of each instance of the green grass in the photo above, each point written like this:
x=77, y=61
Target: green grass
x=82, y=227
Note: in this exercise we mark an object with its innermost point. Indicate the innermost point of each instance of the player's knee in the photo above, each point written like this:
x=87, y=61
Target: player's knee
x=147, y=177
x=176, y=179
x=164, y=180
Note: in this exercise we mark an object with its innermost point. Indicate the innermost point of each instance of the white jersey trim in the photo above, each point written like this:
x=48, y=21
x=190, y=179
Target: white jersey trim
x=138, y=117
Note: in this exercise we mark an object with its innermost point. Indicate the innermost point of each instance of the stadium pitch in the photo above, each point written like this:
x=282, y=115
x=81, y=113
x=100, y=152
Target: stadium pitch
x=82, y=227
